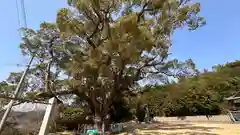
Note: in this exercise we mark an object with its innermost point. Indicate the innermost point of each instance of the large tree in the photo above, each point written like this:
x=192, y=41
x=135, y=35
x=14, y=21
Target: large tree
x=108, y=47
x=121, y=42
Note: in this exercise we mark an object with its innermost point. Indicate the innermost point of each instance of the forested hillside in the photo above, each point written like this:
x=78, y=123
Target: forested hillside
x=198, y=95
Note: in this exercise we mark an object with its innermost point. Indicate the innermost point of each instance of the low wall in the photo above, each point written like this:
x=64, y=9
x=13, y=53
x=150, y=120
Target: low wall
x=215, y=118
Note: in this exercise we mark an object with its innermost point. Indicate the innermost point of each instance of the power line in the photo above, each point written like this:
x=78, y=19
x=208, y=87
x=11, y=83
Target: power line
x=24, y=14
x=19, y=21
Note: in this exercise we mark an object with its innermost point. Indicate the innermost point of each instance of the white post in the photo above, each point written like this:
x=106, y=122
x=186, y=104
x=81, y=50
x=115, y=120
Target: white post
x=47, y=117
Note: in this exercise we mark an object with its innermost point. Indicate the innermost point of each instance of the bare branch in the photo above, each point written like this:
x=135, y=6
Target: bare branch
x=144, y=9
x=89, y=16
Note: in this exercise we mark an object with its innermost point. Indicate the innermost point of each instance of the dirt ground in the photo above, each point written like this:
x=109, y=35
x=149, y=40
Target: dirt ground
x=181, y=128
x=178, y=128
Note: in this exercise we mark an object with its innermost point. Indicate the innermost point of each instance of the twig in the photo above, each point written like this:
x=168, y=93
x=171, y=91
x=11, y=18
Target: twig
x=143, y=10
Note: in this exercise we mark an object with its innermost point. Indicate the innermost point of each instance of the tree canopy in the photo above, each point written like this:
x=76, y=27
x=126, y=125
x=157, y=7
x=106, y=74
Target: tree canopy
x=198, y=95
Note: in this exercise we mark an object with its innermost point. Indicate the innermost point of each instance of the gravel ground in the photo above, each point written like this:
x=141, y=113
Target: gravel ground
x=194, y=125
x=182, y=128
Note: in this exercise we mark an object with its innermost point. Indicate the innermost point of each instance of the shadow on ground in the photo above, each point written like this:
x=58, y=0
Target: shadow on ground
x=158, y=128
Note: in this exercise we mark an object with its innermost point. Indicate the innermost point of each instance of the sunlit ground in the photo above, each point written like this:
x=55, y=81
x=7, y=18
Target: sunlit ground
x=179, y=128
x=183, y=129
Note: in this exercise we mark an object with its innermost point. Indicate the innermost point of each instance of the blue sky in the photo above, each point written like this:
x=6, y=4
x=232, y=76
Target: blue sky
x=215, y=43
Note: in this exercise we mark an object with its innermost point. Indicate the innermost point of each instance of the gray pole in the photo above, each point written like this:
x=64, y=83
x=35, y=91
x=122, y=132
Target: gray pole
x=4, y=118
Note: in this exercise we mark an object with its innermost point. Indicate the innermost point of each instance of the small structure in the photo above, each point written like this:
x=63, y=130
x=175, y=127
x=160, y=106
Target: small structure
x=234, y=111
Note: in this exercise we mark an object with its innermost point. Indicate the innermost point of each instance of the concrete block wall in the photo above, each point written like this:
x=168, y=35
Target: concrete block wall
x=215, y=118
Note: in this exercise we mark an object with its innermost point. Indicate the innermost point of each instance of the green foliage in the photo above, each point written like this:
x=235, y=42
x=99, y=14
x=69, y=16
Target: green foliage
x=120, y=111
x=116, y=52
x=6, y=90
x=72, y=113
x=198, y=95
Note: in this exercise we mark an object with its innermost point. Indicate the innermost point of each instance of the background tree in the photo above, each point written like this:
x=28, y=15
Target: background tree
x=197, y=95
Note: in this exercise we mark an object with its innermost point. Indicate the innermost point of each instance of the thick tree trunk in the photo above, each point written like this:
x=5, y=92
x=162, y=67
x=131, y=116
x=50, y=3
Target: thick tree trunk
x=107, y=124
x=97, y=122
x=102, y=123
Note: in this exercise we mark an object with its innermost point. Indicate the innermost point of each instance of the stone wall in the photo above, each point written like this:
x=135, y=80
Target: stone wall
x=211, y=119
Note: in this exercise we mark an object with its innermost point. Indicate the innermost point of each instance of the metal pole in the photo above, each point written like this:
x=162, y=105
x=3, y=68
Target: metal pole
x=4, y=118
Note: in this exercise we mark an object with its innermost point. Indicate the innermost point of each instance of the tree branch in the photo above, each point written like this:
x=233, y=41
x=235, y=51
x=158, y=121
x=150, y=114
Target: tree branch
x=89, y=17
x=87, y=99
x=143, y=10
x=117, y=86
x=53, y=94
